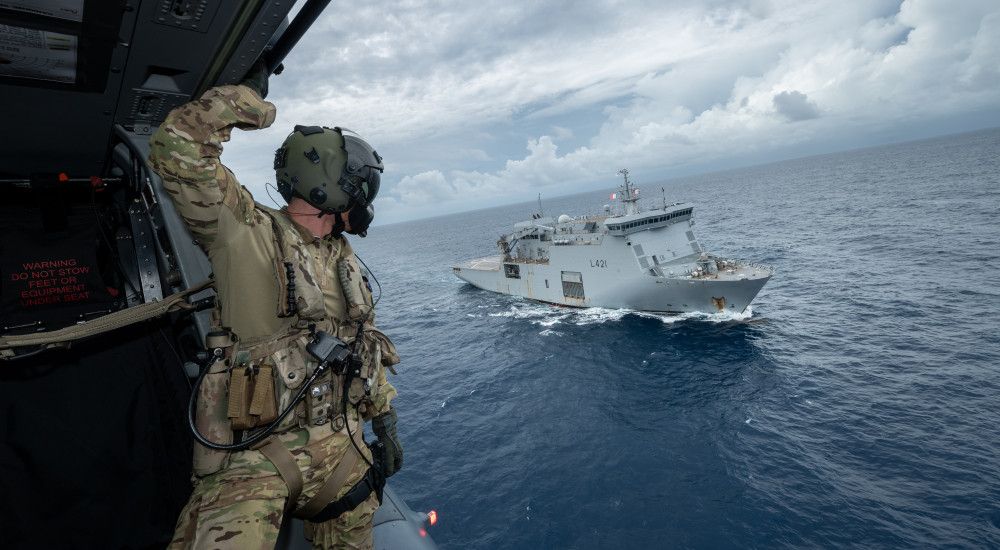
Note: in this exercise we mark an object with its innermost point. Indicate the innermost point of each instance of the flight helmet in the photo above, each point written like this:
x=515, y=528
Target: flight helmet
x=332, y=169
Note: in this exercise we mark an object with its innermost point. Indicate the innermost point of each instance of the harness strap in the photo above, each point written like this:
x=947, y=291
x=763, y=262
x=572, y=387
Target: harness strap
x=65, y=336
x=288, y=469
x=338, y=479
x=372, y=482
x=284, y=462
x=264, y=346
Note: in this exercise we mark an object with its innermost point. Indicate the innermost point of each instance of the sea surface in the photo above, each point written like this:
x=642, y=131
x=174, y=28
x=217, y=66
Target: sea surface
x=856, y=405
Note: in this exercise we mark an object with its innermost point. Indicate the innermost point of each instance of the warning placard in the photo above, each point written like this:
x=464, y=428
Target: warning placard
x=43, y=282
x=44, y=55
x=71, y=10
x=51, y=277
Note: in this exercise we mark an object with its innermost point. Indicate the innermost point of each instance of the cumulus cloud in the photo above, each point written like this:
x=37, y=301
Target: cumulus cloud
x=492, y=100
x=425, y=188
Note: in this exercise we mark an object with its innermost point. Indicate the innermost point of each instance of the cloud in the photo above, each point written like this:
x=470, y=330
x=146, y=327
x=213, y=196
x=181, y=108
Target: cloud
x=425, y=188
x=474, y=154
x=471, y=102
x=795, y=106
x=562, y=133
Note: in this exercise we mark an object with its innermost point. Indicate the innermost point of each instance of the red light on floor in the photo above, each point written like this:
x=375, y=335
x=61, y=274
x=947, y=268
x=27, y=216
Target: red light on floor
x=432, y=517
x=63, y=177
x=423, y=532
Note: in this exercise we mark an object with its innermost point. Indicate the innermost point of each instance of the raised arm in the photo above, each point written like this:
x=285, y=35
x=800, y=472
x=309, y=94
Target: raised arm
x=185, y=152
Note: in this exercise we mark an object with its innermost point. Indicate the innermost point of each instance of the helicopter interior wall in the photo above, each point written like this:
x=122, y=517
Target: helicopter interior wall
x=94, y=449
x=129, y=63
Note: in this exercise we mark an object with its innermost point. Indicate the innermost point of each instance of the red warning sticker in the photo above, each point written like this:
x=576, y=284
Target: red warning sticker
x=51, y=277
x=51, y=282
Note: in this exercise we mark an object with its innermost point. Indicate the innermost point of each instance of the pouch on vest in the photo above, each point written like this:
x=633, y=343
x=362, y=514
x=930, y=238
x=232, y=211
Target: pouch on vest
x=356, y=291
x=321, y=402
x=211, y=420
x=252, y=400
x=380, y=353
x=387, y=355
x=292, y=366
x=298, y=289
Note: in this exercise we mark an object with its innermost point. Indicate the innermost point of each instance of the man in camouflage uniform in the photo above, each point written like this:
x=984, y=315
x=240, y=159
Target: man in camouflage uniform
x=281, y=276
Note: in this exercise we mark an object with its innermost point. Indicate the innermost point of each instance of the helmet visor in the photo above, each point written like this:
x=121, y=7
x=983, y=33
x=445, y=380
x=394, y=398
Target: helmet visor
x=372, y=181
x=363, y=166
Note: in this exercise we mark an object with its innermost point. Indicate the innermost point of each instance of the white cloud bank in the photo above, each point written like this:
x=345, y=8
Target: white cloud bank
x=447, y=91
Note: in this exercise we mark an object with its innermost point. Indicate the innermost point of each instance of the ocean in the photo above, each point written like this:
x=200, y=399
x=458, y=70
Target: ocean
x=857, y=404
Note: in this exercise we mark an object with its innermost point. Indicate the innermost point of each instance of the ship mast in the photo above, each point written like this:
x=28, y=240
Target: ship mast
x=629, y=194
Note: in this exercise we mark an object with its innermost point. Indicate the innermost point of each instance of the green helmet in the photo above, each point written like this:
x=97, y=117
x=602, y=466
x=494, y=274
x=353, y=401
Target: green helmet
x=330, y=168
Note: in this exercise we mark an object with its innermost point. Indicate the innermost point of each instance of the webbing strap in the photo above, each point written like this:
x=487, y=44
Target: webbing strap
x=333, y=484
x=112, y=321
x=262, y=403
x=238, y=392
x=264, y=346
x=284, y=462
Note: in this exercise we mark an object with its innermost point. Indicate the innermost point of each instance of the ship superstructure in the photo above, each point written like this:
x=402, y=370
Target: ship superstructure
x=633, y=258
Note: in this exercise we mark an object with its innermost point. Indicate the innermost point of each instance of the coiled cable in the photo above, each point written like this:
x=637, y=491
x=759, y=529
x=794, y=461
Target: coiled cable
x=258, y=435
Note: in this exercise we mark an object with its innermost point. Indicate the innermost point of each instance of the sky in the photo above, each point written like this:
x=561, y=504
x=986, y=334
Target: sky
x=478, y=104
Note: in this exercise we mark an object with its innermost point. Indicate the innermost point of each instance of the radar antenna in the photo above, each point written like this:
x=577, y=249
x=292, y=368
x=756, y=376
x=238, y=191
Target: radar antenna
x=629, y=193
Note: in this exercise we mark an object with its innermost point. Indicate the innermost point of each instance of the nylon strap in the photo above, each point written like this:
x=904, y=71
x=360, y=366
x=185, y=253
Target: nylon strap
x=338, y=480
x=112, y=321
x=265, y=346
x=284, y=462
x=238, y=393
x=262, y=403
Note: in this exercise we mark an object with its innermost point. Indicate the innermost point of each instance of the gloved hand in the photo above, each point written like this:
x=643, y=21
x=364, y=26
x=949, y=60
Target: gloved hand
x=384, y=427
x=257, y=78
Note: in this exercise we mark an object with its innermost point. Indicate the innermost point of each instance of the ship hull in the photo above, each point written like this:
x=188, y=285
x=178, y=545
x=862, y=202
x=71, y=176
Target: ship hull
x=615, y=289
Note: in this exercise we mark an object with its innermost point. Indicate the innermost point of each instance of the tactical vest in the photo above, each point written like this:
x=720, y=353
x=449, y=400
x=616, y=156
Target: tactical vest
x=257, y=378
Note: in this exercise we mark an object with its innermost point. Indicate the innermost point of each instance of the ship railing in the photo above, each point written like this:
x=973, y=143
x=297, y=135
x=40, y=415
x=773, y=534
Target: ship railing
x=574, y=242
x=755, y=265
x=580, y=228
x=518, y=260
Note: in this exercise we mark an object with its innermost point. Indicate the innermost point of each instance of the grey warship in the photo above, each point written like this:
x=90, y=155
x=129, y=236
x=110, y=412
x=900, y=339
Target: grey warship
x=628, y=258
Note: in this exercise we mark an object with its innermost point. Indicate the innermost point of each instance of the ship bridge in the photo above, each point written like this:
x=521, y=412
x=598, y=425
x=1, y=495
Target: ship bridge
x=619, y=226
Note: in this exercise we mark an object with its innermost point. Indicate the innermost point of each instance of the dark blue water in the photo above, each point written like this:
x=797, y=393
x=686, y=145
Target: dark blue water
x=859, y=404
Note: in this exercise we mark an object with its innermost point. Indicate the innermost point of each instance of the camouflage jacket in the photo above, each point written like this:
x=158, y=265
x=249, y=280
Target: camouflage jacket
x=251, y=248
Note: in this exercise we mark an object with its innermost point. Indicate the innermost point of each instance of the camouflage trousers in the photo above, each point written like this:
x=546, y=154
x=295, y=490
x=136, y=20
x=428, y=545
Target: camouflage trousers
x=242, y=506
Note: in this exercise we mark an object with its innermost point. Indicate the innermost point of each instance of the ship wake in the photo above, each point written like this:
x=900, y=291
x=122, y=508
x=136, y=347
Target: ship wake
x=550, y=316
